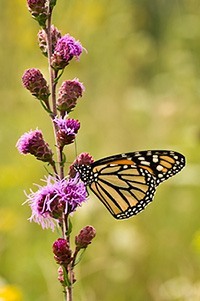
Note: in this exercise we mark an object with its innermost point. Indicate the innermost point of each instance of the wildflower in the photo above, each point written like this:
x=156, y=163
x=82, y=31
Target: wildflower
x=42, y=39
x=69, y=92
x=49, y=202
x=74, y=193
x=33, y=143
x=84, y=238
x=62, y=252
x=82, y=159
x=67, y=130
x=66, y=48
x=34, y=81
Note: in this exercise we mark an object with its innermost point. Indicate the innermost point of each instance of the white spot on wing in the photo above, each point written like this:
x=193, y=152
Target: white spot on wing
x=159, y=167
x=145, y=163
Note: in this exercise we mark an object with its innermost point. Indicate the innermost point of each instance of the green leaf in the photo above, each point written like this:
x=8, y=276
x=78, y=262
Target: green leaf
x=40, y=18
x=44, y=106
x=53, y=3
x=63, y=160
x=80, y=256
x=69, y=230
x=58, y=77
x=66, y=278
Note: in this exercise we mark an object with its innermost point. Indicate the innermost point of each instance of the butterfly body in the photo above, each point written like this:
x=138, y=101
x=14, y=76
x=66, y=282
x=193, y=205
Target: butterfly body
x=126, y=183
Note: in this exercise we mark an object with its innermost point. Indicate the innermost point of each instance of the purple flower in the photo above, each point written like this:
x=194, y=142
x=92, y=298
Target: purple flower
x=85, y=237
x=33, y=143
x=74, y=193
x=67, y=130
x=49, y=202
x=62, y=252
x=34, y=81
x=69, y=92
x=66, y=48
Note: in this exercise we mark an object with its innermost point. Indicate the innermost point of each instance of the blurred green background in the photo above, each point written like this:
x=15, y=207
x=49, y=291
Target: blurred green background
x=142, y=79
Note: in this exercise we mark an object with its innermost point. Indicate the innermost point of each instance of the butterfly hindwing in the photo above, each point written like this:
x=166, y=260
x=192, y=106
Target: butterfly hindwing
x=123, y=189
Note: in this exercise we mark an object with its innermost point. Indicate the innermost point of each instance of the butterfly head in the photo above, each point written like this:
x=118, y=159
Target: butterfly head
x=85, y=173
x=82, y=166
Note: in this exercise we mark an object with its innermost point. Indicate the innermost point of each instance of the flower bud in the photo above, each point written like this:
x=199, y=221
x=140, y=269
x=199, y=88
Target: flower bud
x=66, y=48
x=37, y=6
x=67, y=130
x=42, y=39
x=38, y=10
x=61, y=278
x=69, y=92
x=34, y=81
x=62, y=252
x=84, y=238
x=33, y=143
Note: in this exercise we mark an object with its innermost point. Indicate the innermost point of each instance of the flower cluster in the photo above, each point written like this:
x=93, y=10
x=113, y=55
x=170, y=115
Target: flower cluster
x=38, y=10
x=42, y=39
x=34, y=81
x=69, y=92
x=62, y=252
x=50, y=201
x=33, y=143
x=85, y=237
x=53, y=203
x=65, y=50
x=37, y=6
x=66, y=130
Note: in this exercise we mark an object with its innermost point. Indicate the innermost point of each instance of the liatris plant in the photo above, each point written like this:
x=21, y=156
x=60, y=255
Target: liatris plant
x=61, y=194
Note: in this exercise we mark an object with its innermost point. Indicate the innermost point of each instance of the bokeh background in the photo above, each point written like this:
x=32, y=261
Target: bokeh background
x=142, y=79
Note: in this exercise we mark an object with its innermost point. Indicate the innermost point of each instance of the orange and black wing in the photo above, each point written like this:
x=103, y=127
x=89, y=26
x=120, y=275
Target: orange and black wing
x=124, y=189
x=126, y=183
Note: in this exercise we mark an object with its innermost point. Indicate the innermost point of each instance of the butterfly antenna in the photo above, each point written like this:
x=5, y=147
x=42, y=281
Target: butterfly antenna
x=76, y=152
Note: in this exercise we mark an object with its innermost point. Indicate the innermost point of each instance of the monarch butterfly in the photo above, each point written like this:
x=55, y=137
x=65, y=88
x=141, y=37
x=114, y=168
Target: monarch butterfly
x=126, y=183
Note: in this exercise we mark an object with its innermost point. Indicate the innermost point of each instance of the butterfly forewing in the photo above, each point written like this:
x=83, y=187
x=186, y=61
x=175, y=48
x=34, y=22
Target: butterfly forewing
x=126, y=183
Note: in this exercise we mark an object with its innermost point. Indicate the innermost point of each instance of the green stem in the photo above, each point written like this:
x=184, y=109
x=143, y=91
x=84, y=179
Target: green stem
x=53, y=74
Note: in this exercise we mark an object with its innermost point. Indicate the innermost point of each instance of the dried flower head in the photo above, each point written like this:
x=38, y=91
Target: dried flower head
x=37, y=6
x=42, y=39
x=49, y=202
x=38, y=10
x=66, y=48
x=34, y=81
x=61, y=277
x=62, y=252
x=67, y=130
x=85, y=237
x=69, y=92
x=33, y=143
